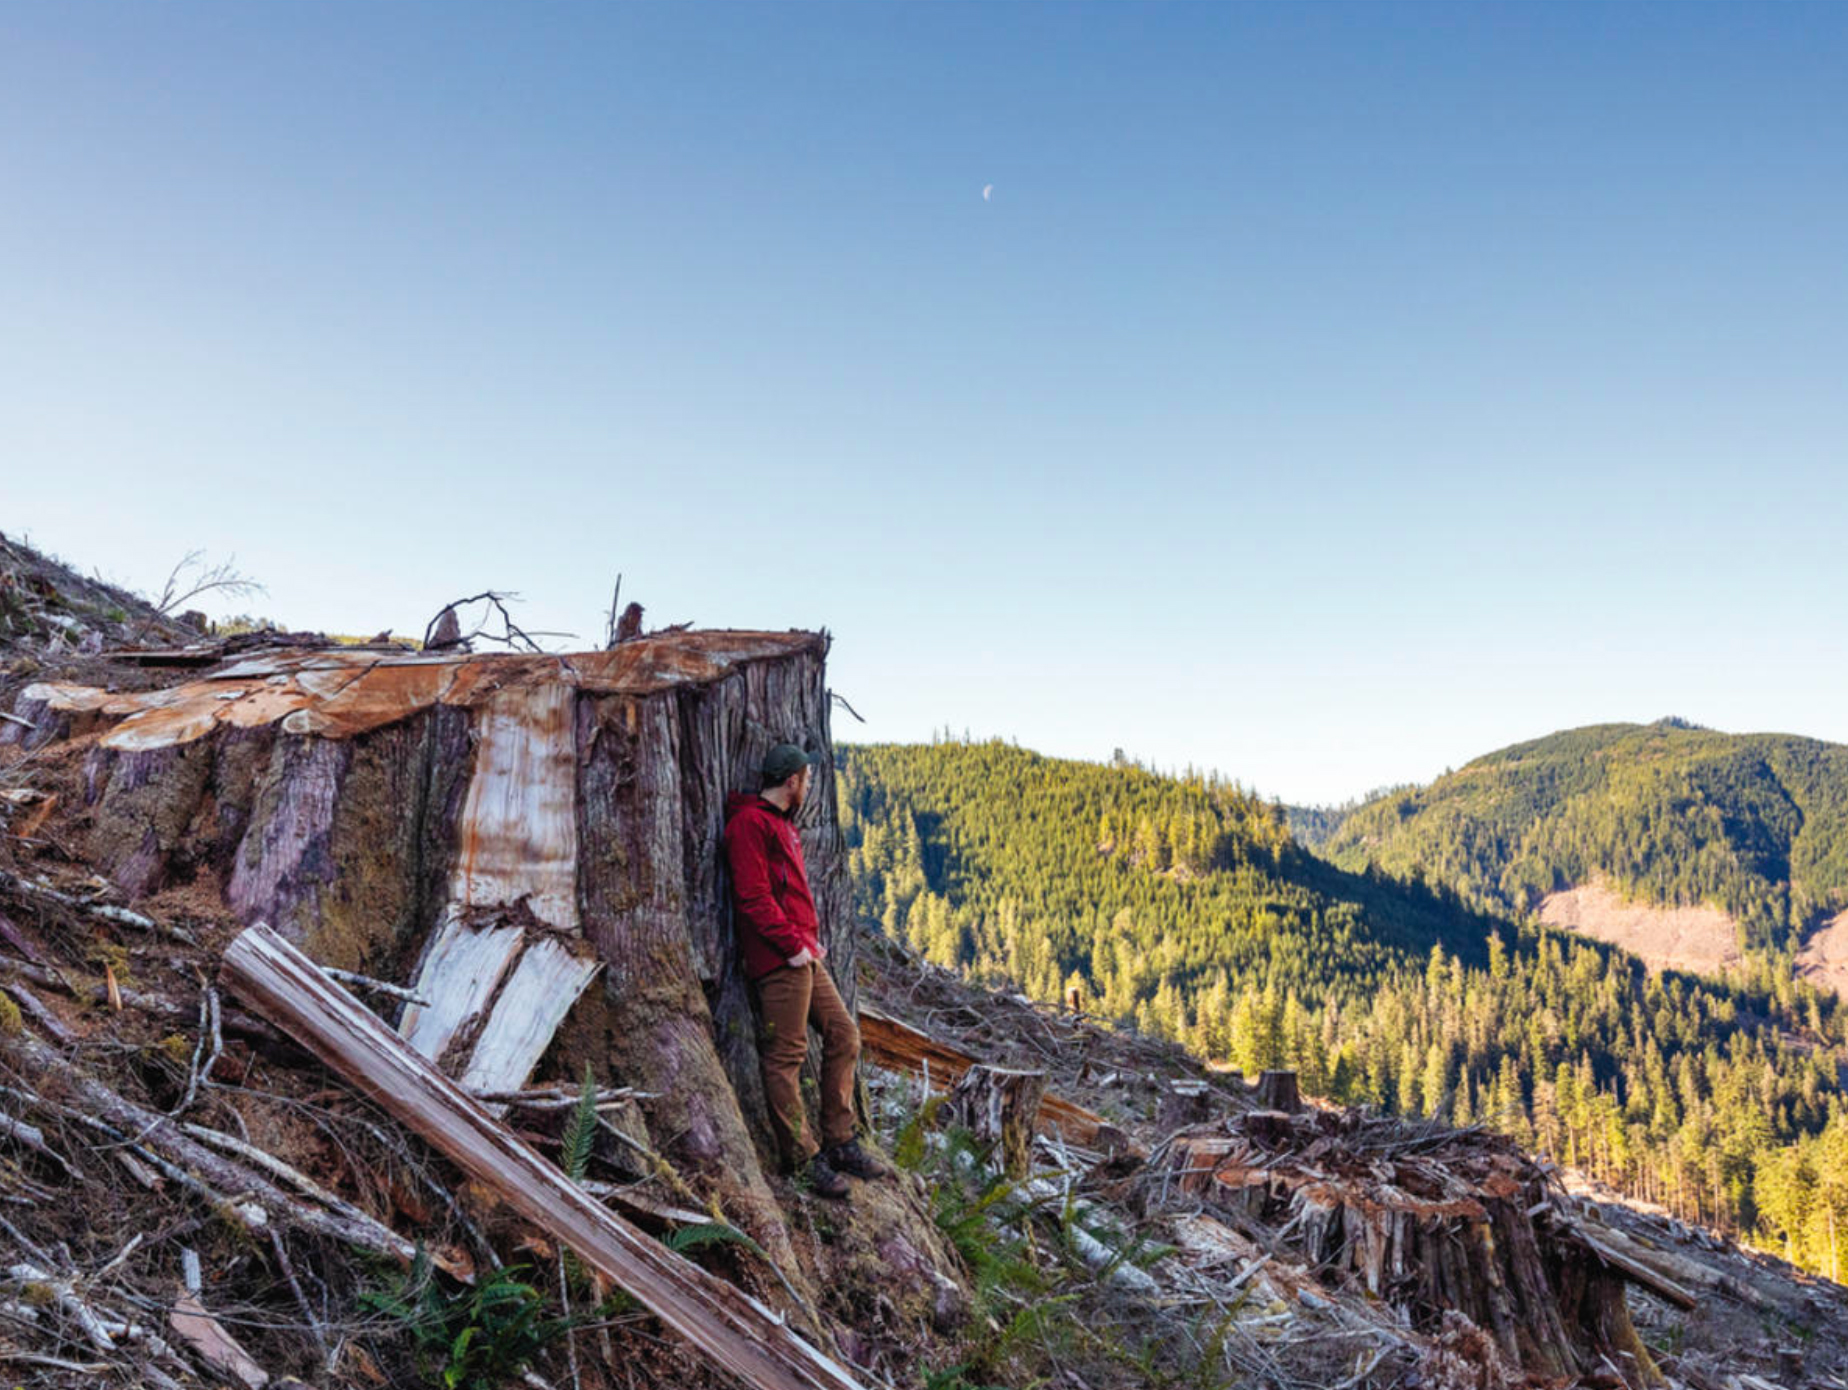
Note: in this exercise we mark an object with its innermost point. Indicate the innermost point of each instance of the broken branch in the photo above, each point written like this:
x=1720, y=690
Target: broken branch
x=732, y=1330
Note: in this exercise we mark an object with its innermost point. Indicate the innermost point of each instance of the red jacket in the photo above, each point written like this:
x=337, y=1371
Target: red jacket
x=772, y=905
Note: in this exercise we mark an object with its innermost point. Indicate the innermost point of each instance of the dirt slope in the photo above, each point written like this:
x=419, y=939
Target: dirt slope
x=1701, y=939
x=1823, y=961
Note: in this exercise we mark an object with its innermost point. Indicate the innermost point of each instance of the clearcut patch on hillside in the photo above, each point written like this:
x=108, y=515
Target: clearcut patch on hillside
x=1823, y=961
x=1702, y=939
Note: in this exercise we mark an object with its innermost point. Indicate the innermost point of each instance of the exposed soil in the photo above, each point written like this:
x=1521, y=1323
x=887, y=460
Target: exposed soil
x=1823, y=961
x=1701, y=939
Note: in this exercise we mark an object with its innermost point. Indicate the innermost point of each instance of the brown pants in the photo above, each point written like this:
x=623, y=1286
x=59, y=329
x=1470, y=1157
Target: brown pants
x=791, y=998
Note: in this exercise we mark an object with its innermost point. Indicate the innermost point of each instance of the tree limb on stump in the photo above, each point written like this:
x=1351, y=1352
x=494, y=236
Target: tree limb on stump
x=733, y=1331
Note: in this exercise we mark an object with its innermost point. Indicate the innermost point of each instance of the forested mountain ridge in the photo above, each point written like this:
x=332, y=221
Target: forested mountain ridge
x=1669, y=813
x=982, y=853
x=1184, y=906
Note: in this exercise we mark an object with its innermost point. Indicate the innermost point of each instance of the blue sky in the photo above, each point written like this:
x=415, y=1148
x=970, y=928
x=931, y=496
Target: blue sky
x=1327, y=394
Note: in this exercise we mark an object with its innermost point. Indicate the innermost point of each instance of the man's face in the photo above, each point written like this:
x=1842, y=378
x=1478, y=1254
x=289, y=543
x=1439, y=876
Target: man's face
x=798, y=787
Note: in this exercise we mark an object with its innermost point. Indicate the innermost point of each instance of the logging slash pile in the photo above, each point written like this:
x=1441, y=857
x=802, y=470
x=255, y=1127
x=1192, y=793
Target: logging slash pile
x=369, y=1017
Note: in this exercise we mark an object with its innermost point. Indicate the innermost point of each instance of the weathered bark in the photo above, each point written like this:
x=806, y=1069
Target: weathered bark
x=656, y=1029
x=497, y=832
x=1591, y=1296
x=726, y=727
x=1000, y=1108
x=1277, y=1090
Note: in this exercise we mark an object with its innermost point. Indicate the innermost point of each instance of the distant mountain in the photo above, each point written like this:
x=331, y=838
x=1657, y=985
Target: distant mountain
x=1663, y=837
x=1315, y=826
x=1186, y=906
x=989, y=856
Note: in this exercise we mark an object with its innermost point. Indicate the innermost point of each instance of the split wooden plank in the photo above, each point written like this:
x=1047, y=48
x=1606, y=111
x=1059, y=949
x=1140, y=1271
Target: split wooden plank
x=461, y=970
x=528, y=1011
x=732, y=1330
x=503, y=990
x=896, y=1046
x=216, y=1347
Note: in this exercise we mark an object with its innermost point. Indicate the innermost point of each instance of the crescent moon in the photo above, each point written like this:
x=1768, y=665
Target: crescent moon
x=987, y=188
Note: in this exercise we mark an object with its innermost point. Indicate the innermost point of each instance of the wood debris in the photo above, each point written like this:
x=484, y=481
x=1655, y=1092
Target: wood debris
x=215, y=1346
x=734, y=1331
x=899, y=1047
x=1437, y=1222
x=518, y=854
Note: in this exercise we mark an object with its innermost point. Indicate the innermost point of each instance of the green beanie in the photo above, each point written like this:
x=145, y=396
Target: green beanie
x=785, y=761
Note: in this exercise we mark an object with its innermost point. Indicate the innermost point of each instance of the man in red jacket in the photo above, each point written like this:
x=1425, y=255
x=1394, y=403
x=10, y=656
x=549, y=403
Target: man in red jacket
x=779, y=934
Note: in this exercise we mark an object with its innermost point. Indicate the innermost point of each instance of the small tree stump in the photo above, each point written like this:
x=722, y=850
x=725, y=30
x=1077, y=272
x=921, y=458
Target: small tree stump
x=999, y=1107
x=1184, y=1103
x=1277, y=1090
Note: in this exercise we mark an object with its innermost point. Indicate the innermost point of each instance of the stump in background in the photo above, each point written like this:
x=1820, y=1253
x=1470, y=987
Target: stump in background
x=1000, y=1108
x=1277, y=1090
x=1433, y=1223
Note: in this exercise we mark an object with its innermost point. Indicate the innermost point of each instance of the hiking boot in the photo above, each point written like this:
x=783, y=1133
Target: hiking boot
x=851, y=1158
x=818, y=1176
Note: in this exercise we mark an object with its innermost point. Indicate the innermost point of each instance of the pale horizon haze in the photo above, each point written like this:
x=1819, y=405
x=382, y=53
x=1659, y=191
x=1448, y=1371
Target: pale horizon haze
x=1322, y=394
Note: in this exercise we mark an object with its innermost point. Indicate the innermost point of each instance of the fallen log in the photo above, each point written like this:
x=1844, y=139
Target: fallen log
x=44, y=1017
x=1631, y=1268
x=733, y=1331
x=896, y=1046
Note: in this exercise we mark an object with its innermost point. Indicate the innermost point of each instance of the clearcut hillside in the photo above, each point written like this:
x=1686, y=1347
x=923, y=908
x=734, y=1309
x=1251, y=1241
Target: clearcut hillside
x=1666, y=815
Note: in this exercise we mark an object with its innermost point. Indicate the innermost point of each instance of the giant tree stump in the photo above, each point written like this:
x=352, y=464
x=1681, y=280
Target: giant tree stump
x=499, y=831
x=1433, y=1223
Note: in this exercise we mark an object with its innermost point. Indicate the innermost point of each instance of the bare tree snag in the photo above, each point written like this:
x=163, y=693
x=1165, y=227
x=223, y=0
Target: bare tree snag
x=1000, y=1107
x=445, y=632
x=629, y=625
x=731, y=1330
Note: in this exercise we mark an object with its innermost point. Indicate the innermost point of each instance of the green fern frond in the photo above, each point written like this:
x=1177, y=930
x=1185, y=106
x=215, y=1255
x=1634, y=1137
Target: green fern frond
x=581, y=1129
x=710, y=1233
